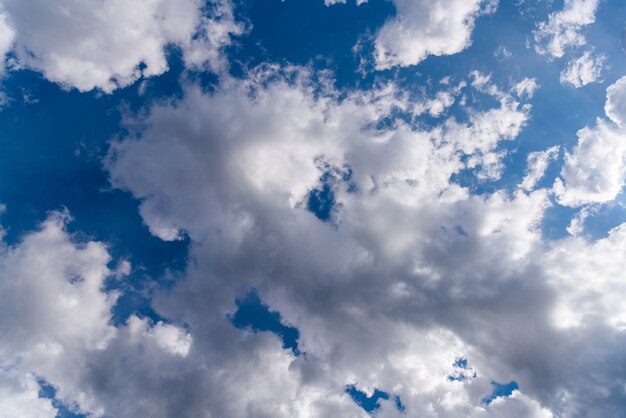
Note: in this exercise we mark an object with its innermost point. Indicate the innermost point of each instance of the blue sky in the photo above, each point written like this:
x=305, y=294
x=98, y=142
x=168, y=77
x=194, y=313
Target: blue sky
x=312, y=208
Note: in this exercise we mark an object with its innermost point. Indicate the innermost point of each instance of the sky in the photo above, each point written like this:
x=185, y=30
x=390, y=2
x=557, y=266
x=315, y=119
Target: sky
x=312, y=208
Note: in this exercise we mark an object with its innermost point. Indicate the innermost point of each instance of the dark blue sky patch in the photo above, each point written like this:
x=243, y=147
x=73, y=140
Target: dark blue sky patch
x=463, y=372
x=501, y=390
x=321, y=202
x=47, y=391
x=254, y=314
x=371, y=404
x=398, y=402
x=308, y=32
x=51, y=151
x=368, y=403
x=461, y=362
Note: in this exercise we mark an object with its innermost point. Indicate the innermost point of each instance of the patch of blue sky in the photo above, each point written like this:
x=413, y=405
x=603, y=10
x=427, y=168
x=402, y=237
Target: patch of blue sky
x=501, y=390
x=53, y=143
x=252, y=313
x=306, y=32
x=463, y=372
x=47, y=391
x=371, y=404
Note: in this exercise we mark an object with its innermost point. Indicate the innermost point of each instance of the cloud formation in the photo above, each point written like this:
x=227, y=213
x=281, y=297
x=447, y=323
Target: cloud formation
x=583, y=70
x=426, y=280
x=595, y=169
x=107, y=45
x=563, y=29
x=421, y=28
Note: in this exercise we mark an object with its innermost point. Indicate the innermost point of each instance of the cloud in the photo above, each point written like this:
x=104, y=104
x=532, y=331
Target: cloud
x=422, y=28
x=235, y=182
x=107, y=45
x=537, y=163
x=583, y=70
x=7, y=34
x=594, y=171
x=19, y=397
x=413, y=273
x=615, y=106
x=589, y=277
x=563, y=29
x=55, y=320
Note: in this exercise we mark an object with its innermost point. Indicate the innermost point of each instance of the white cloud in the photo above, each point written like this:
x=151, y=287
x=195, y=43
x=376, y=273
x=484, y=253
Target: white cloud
x=583, y=70
x=421, y=28
x=537, y=164
x=55, y=320
x=404, y=235
x=414, y=273
x=615, y=106
x=563, y=30
x=594, y=171
x=19, y=397
x=590, y=281
x=6, y=38
x=106, y=45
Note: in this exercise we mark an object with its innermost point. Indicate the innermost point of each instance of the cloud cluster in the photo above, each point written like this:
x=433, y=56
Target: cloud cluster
x=563, y=33
x=421, y=28
x=107, y=45
x=412, y=272
x=55, y=322
x=595, y=170
x=583, y=70
x=410, y=280
x=563, y=29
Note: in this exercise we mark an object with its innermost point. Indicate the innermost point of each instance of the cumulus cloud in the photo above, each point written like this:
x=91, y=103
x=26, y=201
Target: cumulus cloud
x=590, y=279
x=19, y=397
x=56, y=321
x=232, y=185
x=537, y=163
x=615, y=106
x=107, y=45
x=412, y=272
x=583, y=70
x=594, y=171
x=563, y=29
x=422, y=28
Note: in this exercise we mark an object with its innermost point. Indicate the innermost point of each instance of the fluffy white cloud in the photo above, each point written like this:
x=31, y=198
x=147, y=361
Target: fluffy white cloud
x=537, y=164
x=590, y=281
x=595, y=170
x=563, y=30
x=583, y=70
x=55, y=322
x=412, y=271
x=106, y=45
x=19, y=397
x=366, y=295
x=422, y=27
x=615, y=106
